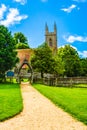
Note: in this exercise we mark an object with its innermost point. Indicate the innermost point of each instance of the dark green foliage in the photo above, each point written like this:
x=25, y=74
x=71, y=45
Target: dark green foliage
x=21, y=41
x=20, y=38
x=43, y=60
x=83, y=63
x=10, y=101
x=71, y=60
x=8, y=57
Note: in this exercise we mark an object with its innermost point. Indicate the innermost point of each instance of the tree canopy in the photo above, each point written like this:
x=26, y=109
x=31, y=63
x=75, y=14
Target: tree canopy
x=43, y=60
x=22, y=46
x=20, y=41
x=83, y=62
x=8, y=54
x=70, y=59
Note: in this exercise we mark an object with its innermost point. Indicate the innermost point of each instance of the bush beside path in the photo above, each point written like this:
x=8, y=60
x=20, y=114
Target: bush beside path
x=39, y=113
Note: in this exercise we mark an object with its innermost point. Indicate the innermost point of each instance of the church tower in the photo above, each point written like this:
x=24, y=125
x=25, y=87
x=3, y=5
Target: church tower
x=51, y=38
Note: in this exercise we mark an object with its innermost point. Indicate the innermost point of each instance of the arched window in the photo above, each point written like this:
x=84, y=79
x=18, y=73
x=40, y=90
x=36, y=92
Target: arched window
x=50, y=42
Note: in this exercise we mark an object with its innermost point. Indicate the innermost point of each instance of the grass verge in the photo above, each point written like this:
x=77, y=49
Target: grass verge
x=71, y=100
x=10, y=100
x=80, y=85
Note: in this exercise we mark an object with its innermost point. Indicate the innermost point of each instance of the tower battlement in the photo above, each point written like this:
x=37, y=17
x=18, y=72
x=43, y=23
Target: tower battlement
x=51, y=38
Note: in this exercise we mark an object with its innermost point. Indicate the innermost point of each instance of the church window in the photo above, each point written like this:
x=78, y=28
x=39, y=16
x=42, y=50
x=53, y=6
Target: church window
x=50, y=42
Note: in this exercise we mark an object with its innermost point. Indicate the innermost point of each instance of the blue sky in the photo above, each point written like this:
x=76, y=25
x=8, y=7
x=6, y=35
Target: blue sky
x=30, y=17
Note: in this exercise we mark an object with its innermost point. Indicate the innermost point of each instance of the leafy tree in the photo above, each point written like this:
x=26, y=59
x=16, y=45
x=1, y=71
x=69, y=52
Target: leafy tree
x=22, y=46
x=19, y=37
x=20, y=41
x=70, y=59
x=83, y=62
x=59, y=66
x=43, y=60
x=8, y=54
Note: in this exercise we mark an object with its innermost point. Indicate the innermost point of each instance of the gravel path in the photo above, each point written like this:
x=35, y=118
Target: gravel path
x=40, y=114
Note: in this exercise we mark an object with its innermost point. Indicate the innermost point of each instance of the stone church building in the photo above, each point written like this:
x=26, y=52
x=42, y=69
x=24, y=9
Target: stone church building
x=50, y=39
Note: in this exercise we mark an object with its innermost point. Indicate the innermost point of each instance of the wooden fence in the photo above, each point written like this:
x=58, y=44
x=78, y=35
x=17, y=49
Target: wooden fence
x=61, y=81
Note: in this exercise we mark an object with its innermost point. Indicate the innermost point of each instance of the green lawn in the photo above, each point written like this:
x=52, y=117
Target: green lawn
x=80, y=85
x=10, y=100
x=72, y=100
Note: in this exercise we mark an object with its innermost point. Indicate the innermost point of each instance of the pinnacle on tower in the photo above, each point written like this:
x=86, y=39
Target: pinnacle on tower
x=51, y=38
x=46, y=28
x=55, y=28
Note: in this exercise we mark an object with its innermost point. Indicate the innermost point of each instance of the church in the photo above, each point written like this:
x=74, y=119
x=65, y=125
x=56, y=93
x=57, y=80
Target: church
x=50, y=39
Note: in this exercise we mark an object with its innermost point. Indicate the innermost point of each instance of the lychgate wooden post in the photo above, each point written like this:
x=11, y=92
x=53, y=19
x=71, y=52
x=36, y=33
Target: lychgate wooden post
x=31, y=70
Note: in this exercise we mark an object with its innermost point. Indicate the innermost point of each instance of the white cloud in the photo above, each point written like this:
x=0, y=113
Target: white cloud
x=69, y=9
x=2, y=10
x=12, y=17
x=72, y=38
x=74, y=47
x=83, y=54
x=21, y=1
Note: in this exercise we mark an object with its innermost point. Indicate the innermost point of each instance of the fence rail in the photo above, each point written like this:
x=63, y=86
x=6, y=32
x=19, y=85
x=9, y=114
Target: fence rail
x=61, y=81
